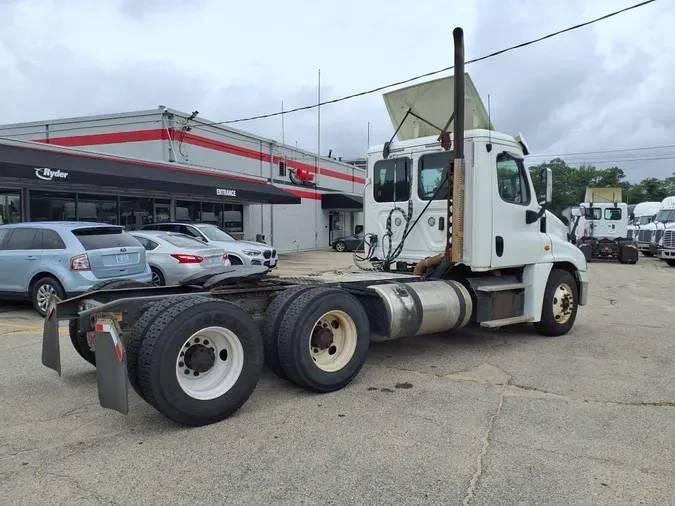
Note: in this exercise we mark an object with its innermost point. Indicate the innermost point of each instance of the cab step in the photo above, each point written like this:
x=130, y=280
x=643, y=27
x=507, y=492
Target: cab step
x=514, y=320
x=503, y=287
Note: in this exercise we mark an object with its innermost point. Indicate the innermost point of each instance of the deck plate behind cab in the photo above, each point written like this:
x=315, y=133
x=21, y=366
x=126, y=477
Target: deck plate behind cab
x=346, y=277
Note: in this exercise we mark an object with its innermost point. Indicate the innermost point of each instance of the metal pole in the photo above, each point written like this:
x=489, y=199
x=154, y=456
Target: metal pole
x=318, y=155
x=454, y=244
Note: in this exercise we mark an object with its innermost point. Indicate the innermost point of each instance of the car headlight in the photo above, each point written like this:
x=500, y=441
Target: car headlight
x=251, y=252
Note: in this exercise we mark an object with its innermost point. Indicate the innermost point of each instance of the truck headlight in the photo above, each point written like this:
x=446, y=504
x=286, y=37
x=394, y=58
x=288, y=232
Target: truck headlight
x=251, y=252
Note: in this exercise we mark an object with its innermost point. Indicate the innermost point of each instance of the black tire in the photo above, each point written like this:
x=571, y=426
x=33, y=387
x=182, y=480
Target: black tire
x=235, y=260
x=549, y=326
x=272, y=322
x=163, y=342
x=648, y=254
x=150, y=312
x=296, y=331
x=157, y=274
x=49, y=283
x=79, y=338
x=671, y=263
x=340, y=246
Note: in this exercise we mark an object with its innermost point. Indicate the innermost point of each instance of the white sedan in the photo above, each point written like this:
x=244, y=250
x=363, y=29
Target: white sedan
x=173, y=256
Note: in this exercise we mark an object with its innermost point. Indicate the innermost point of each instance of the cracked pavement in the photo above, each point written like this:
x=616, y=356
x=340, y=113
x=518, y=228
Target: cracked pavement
x=475, y=417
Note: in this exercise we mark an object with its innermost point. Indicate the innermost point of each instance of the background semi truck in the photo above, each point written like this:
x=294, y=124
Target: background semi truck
x=195, y=350
x=649, y=235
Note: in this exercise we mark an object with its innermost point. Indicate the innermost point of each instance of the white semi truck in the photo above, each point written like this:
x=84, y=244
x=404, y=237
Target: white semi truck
x=643, y=214
x=649, y=235
x=195, y=351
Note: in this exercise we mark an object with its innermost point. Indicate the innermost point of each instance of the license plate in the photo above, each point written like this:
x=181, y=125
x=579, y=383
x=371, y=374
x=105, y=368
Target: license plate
x=214, y=261
x=123, y=259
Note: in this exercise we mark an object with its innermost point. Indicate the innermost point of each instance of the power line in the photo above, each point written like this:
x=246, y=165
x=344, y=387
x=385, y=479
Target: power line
x=554, y=155
x=428, y=74
x=612, y=160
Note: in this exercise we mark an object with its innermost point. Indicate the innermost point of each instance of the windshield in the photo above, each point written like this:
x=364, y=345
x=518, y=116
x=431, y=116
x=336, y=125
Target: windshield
x=666, y=215
x=643, y=220
x=214, y=233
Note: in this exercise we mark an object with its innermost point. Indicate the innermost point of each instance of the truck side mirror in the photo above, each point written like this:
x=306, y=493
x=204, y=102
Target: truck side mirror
x=545, y=190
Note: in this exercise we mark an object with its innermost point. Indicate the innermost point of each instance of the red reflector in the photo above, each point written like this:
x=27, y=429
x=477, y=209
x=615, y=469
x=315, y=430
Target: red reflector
x=187, y=259
x=99, y=327
x=226, y=256
x=118, y=350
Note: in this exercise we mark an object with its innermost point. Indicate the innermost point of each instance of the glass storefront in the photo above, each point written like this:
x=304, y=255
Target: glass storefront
x=130, y=212
x=52, y=206
x=10, y=206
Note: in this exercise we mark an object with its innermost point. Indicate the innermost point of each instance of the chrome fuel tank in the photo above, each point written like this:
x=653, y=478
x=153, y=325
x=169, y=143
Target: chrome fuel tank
x=422, y=307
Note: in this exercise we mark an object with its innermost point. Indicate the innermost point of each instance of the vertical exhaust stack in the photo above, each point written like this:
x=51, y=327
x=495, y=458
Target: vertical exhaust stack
x=454, y=246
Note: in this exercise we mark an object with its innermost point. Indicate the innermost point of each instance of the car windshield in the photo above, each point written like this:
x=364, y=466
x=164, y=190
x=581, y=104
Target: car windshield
x=182, y=241
x=214, y=233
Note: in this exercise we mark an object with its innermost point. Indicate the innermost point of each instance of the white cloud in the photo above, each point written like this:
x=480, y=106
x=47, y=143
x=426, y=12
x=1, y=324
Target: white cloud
x=601, y=87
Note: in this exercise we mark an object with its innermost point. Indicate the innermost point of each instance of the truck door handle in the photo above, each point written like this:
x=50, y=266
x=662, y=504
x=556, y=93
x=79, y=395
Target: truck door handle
x=441, y=223
x=31, y=257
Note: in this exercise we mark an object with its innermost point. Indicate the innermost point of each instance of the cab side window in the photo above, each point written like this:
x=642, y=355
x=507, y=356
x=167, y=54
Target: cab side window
x=612, y=214
x=512, y=180
x=433, y=175
x=391, y=180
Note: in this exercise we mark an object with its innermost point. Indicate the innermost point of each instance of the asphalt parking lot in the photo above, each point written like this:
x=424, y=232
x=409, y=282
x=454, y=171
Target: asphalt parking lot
x=475, y=417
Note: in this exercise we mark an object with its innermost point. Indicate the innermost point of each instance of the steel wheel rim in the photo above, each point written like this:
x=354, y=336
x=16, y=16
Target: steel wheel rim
x=44, y=296
x=156, y=281
x=563, y=303
x=340, y=247
x=333, y=356
x=228, y=363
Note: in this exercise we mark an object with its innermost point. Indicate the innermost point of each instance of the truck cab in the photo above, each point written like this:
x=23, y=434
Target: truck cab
x=643, y=214
x=649, y=235
x=503, y=220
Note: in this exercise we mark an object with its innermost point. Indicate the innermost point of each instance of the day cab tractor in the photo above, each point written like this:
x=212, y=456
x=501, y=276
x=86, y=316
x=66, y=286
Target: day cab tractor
x=600, y=230
x=195, y=351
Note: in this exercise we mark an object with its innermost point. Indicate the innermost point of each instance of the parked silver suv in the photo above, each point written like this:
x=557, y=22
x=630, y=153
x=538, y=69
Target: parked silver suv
x=239, y=251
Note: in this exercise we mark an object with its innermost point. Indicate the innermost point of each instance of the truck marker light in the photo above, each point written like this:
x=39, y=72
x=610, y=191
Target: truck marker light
x=547, y=248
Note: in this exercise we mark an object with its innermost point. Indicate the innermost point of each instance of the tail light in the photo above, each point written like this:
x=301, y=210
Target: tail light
x=187, y=259
x=226, y=257
x=80, y=263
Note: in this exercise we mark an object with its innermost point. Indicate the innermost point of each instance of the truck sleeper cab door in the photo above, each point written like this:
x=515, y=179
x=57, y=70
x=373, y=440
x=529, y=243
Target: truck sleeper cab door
x=515, y=242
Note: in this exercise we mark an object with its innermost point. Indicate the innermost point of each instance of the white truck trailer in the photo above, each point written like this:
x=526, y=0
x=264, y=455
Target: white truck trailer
x=195, y=351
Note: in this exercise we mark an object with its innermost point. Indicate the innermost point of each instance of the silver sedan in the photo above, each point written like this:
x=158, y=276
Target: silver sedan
x=173, y=256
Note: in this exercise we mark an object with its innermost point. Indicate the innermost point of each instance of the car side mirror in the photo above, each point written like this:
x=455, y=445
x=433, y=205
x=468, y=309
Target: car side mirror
x=545, y=187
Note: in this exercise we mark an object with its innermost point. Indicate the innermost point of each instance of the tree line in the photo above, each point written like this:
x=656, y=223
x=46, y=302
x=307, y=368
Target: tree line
x=570, y=183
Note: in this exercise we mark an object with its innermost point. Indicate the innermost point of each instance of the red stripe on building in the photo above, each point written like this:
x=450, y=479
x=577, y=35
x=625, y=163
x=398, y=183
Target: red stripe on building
x=302, y=193
x=195, y=140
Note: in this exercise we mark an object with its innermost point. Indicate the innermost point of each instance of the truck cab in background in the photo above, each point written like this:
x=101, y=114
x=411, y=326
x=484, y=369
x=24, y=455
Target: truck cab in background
x=642, y=214
x=649, y=235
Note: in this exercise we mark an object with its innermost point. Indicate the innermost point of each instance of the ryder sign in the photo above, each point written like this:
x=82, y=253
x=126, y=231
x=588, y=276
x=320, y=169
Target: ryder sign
x=49, y=174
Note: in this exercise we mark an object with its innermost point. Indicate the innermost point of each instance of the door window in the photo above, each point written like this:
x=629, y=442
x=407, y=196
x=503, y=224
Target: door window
x=432, y=172
x=511, y=180
x=391, y=181
x=23, y=239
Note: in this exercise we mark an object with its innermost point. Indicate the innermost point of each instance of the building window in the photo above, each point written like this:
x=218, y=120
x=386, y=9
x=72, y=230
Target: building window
x=511, y=180
x=188, y=211
x=136, y=212
x=101, y=208
x=432, y=171
x=52, y=206
x=282, y=168
x=392, y=180
x=10, y=206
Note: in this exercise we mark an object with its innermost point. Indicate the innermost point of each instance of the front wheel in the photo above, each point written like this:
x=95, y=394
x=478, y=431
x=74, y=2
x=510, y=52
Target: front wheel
x=671, y=263
x=560, y=305
x=340, y=246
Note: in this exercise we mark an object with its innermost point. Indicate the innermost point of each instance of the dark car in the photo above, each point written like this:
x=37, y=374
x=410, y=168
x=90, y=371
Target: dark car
x=349, y=242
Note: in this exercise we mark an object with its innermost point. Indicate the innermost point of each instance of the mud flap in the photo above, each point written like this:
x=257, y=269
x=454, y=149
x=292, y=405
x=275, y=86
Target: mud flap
x=111, y=365
x=51, y=349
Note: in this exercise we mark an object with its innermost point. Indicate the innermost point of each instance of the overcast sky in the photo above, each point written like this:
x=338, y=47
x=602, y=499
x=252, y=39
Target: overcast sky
x=604, y=87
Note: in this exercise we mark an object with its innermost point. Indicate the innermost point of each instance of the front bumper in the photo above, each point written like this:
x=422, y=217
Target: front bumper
x=583, y=278
x=666, y=254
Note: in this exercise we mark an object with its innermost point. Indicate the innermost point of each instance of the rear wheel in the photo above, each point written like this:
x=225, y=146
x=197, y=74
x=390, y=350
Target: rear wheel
x=340, y=246
x=559, y=309
x=157, y=277
x=200, y=360
x=42, y=291
x=323, y=339
x=272, y=322
x=79, y=338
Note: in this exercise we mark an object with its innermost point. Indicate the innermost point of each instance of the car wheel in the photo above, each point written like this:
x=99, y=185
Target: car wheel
x=157, y=277
x=340, y=246
x=235, y=260
x=42, y=291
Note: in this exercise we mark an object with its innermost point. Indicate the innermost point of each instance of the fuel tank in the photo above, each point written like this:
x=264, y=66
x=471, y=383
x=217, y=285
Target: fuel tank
x=418, y=308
